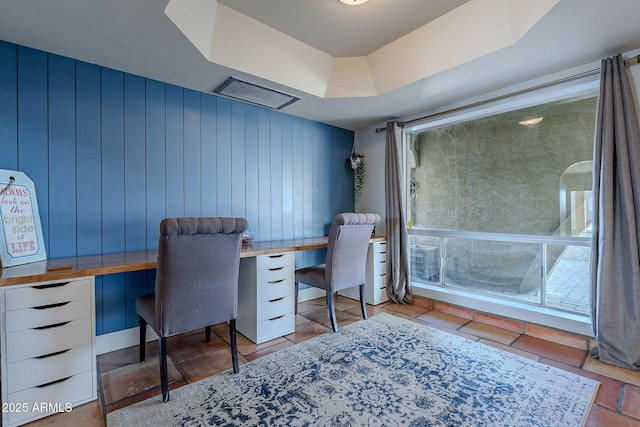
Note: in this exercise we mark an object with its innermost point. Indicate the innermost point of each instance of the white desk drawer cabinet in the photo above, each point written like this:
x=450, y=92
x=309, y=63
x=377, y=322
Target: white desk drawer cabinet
x=266, y=297
x=48, y=348
x=375, y=288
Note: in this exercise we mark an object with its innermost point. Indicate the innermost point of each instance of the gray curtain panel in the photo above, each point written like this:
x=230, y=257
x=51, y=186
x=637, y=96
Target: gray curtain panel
x=398, y=283
x=615, y=259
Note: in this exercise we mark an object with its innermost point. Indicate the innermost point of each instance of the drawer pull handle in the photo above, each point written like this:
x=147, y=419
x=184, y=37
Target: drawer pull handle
x=51, y=285
x=277, y=299
x=45, y=307
x=276, y=256
x=276, y=318
x=52, y=382
x=44, y=356
x=55, y=325
x=276, y=268
x=273, y=282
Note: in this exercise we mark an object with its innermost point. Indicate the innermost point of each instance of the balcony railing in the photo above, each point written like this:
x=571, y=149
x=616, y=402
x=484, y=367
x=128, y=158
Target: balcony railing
x=546, y=271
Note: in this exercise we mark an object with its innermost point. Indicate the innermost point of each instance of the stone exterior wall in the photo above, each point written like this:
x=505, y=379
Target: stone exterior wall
x=495, y=175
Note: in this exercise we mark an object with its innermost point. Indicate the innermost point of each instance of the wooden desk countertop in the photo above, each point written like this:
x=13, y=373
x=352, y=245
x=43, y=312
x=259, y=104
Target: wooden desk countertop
x=98, y=265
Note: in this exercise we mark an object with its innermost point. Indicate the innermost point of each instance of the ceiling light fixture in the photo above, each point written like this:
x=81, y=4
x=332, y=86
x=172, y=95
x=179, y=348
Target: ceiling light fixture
x=254, y=94
x=531, y=121
x=353, y=2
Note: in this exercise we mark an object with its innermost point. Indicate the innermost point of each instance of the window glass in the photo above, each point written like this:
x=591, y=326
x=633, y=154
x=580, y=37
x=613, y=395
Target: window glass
x=501, y=205
x=504, y=269
x=494, y=174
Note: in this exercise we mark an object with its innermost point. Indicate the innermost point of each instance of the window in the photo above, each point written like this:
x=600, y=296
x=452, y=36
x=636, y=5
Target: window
x=500, y=204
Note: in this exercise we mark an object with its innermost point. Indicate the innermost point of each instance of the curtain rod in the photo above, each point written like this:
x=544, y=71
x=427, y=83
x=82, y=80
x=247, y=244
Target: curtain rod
x=631, y=61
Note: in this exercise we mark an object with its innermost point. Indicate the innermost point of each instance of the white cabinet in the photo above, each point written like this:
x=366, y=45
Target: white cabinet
x=375, y=287
x=48, y=348
x=266, y=297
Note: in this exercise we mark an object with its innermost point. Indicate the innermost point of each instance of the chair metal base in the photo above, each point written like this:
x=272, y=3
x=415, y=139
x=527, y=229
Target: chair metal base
x=164, y=374
x=143, y=338
x=363, y=304
x=332, y=309
x=162, y=347
x=234, y=345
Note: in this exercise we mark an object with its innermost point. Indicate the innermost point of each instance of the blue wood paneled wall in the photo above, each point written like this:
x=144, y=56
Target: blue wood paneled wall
x=111, y=154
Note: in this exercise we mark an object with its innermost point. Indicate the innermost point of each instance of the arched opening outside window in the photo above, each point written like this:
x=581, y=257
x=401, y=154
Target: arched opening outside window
x=576, y=201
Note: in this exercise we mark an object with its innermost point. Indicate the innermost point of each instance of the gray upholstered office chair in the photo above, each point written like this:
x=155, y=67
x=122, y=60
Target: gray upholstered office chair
x=346, y=259
x=196, y=283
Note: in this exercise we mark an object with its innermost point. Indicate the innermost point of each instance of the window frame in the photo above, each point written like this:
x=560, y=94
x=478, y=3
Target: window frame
x=539, y=314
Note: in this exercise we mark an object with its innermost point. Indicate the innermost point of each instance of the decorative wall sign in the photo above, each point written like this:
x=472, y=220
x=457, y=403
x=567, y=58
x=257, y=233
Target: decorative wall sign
x=21, y=240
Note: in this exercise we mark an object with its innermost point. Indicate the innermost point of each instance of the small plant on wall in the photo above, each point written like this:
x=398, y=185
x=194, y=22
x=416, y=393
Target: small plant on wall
x=356, y=164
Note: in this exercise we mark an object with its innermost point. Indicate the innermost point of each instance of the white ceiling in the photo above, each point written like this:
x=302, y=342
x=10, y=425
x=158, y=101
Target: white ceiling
x=341, y=30
x=137, y=36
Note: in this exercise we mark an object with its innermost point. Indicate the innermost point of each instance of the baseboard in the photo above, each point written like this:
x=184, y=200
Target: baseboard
x=118, y=340
x=307, y=294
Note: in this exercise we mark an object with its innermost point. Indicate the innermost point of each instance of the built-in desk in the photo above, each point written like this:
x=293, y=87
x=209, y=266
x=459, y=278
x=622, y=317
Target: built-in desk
x=47, y=319
x=98, y=265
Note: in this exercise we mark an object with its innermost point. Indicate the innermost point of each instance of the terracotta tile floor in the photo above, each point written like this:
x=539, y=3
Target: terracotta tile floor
x=123, y=381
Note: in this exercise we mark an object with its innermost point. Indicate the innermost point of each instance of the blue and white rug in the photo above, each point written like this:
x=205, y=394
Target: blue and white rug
x=386, y=371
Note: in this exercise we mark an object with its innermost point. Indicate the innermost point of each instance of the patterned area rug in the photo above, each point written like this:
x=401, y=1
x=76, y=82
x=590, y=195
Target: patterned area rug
x=385, y=371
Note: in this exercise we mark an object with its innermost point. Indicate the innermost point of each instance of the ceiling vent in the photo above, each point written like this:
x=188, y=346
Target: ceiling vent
x=254, y=94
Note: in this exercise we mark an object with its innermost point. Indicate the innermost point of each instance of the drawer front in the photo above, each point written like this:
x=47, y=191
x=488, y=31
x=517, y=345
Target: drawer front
x=275, y=289
x=380, y=295
x=379, y=281
x=380, y=257
x=378, y=284
x=28, y=318
x=30, y=343
x=33, y=372
x=380, y=248
x=276, y=274
x=275, y=328
x=39, y=295
x=267, y=262
x=379, y=268
x=78, y=388
x=276, y=308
